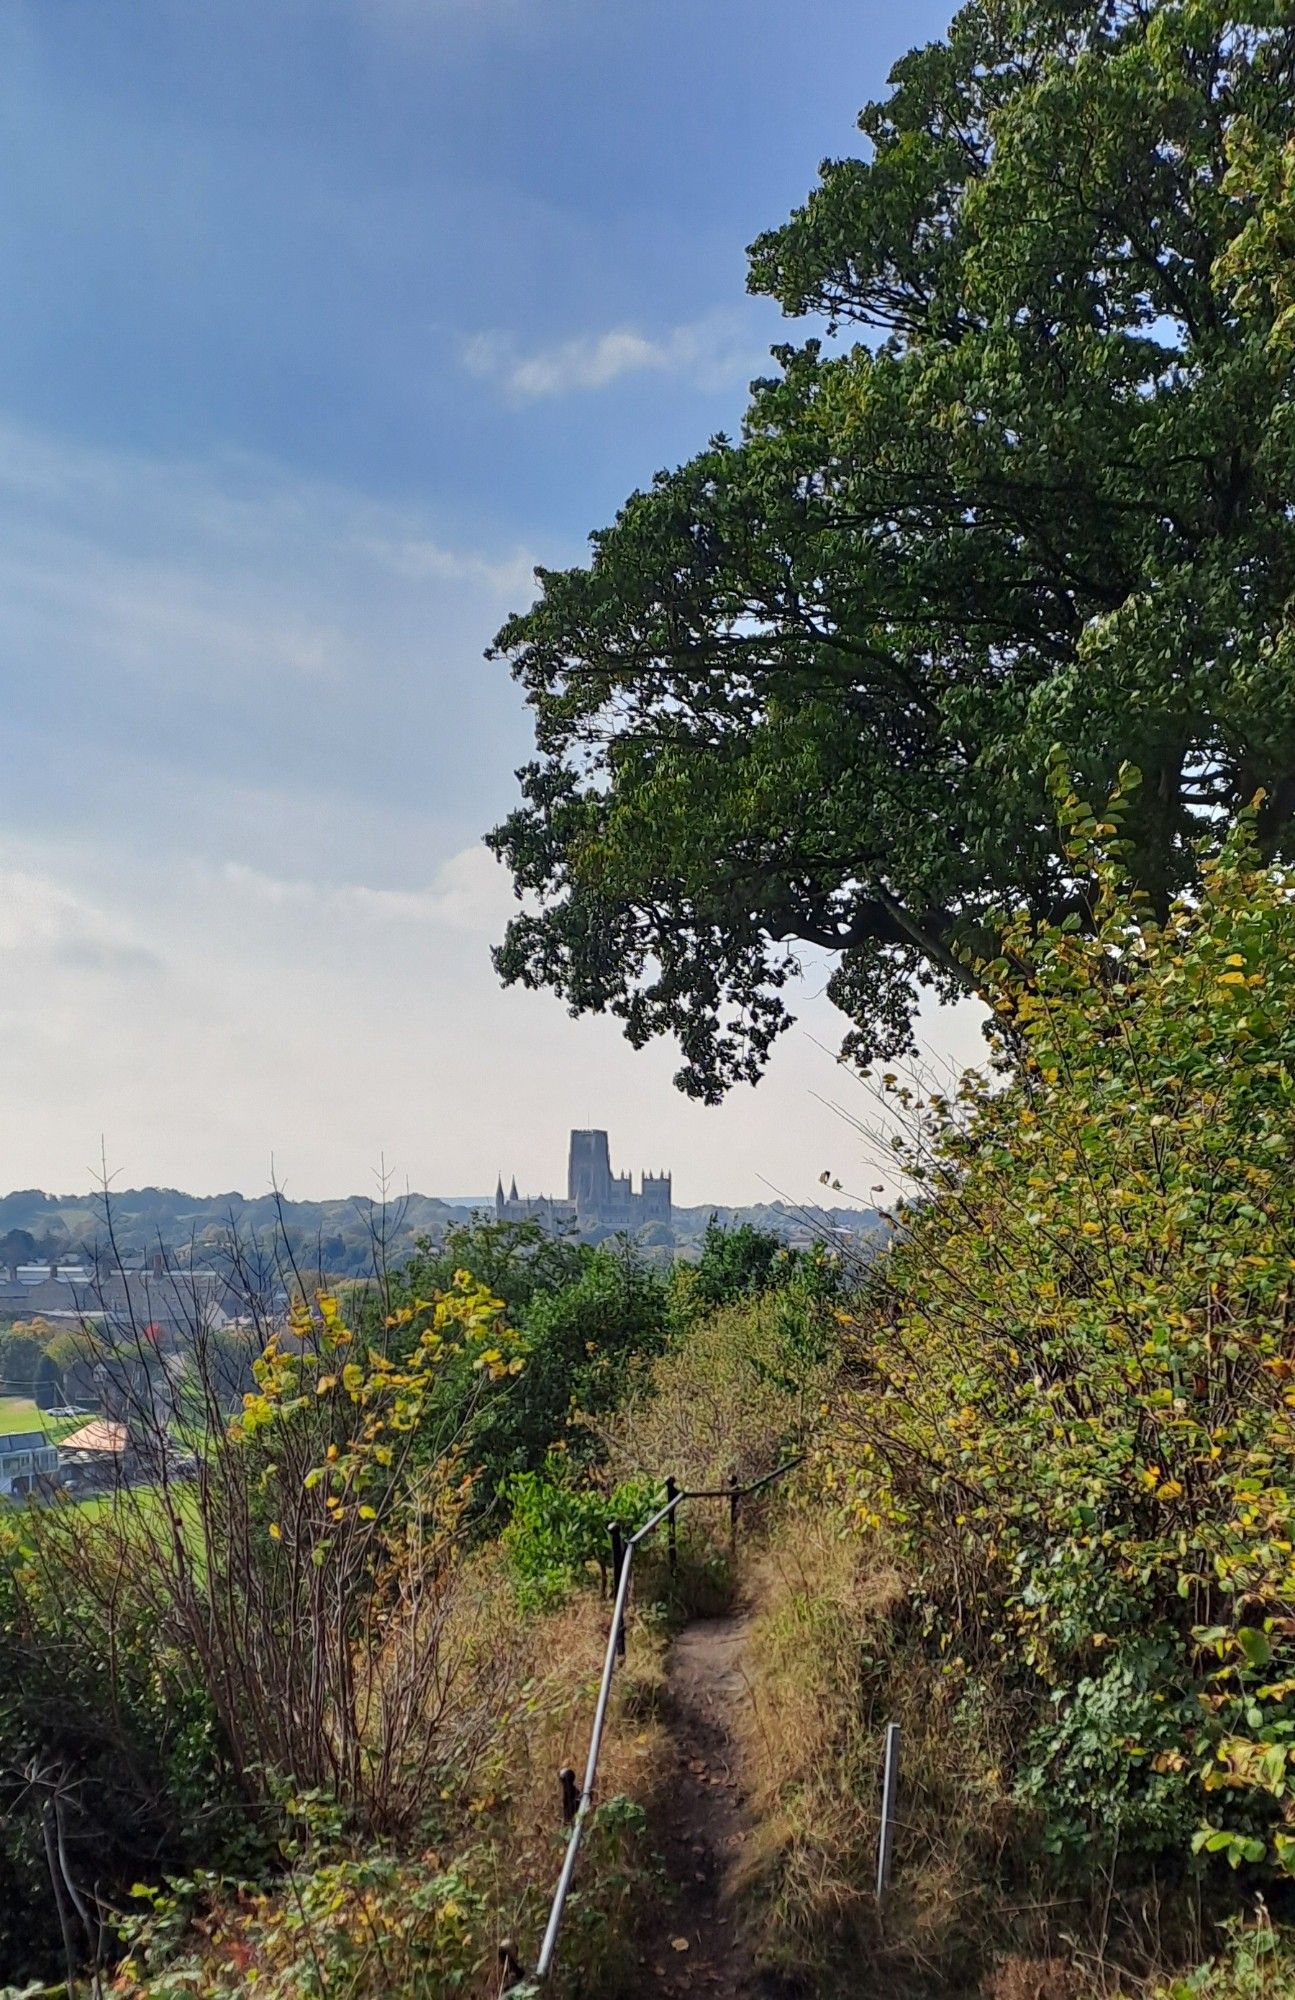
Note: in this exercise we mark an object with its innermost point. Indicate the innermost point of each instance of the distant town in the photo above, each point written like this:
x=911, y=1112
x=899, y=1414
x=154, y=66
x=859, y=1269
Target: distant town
x=49, y=1240
x=106, y=1301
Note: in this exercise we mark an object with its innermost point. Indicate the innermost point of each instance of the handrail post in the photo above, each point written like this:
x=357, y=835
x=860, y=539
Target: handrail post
x=570, y=1796
x=734, y=1498
x=511, y=1968
x=672, y=1533
x=889, y=1800
x=620, y=1556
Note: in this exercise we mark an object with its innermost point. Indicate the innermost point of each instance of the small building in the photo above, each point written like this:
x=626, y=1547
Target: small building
x=26, y=1457
x=96, y=1457
x=99, y=1441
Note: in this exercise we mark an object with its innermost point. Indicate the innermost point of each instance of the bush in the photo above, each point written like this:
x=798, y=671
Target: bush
x=1073, y=1386
x=557, y=1533
x=21, y=1351
x=588, y=1319
x=740, y=1263
x=734, y=1393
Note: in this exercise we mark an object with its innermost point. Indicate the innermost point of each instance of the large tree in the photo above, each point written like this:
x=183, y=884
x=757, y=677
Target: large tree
x=1035, y=487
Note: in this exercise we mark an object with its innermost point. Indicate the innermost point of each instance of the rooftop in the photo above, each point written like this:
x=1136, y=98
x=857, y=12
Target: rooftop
x=99, y=1436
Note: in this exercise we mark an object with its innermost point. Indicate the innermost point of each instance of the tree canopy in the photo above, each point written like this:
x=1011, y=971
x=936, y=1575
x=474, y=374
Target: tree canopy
x=1031, y=489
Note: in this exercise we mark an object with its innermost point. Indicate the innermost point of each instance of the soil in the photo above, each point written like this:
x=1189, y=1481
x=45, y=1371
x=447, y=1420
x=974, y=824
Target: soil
x=703, y=1823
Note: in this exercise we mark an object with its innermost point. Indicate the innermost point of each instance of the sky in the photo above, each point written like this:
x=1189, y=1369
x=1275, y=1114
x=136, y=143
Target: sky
x=324, y=321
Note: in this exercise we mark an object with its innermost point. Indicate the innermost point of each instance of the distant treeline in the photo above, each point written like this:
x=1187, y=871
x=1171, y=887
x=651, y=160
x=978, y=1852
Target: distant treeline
x=345, y=1237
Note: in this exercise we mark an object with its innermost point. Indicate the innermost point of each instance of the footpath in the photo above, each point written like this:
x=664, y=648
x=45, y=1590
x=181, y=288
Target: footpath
x=703, y=1824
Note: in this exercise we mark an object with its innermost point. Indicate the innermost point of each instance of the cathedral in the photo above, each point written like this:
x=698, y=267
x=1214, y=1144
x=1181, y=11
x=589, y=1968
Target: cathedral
x=596, y=1197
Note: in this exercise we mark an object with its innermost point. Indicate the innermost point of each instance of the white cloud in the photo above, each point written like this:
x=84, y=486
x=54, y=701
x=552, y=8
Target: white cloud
x=470, y=892
x=179, y=569
x=248, y=663
x=44, y=926
x=708, y=353
x=512, y=578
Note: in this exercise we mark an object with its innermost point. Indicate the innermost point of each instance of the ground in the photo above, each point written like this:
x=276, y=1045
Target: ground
x=703, y=1826
x=19, y=1413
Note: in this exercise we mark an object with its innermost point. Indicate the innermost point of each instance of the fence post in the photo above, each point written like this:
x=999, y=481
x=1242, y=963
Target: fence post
x=733, y=1499
x=570, y=1797
x=889, y=1800
x=511, y=1968
x=672, y=1535
x=620, y=1556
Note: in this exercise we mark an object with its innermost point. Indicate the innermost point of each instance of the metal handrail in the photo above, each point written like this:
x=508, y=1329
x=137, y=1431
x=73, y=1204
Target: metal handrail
x=623, y=1559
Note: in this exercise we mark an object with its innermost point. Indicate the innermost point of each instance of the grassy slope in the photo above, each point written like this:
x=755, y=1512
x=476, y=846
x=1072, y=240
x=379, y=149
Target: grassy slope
x=20, y=1413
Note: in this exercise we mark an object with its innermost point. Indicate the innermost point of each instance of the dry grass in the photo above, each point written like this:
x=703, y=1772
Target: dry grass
x=553, y=1665
x=537, y=1680
x=832, y=1657
x=827, y=1666
x=519, y=1710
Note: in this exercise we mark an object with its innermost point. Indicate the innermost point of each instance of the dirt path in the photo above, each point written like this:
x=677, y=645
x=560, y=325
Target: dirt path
x=704, y=1822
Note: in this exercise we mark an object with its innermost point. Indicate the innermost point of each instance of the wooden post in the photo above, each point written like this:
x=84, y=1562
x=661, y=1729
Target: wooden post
x=733, y=1498
x=672, y=1535
x=511, y=1969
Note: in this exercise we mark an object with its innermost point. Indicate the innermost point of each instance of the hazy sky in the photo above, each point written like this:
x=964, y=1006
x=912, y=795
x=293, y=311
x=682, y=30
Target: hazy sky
x=323, y=321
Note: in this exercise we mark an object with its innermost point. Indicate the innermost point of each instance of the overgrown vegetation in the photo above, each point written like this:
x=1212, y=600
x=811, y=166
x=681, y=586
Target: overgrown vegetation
x=1052, y=1526
x=268, y=1683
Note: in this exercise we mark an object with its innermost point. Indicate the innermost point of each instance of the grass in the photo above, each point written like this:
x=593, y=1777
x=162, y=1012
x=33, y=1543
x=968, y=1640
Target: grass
x=142, y=1513
x=20, y=1413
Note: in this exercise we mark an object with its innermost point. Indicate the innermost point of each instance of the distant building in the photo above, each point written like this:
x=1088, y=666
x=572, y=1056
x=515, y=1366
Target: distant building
x=26, y=1457
x=152, y=1300
x=596, y=1197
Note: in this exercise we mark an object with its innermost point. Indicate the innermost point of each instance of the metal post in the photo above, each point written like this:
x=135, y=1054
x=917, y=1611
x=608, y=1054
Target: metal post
x=733, y=1498
x=570, y=1796
x=620, y=1556
x=672, y=1534
x=889, y=1800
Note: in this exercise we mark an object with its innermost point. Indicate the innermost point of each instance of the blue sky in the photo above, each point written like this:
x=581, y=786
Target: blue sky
x=324, y=320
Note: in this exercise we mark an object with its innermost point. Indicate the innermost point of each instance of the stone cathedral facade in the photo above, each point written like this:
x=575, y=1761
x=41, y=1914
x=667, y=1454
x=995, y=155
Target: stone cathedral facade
x=596, y=1197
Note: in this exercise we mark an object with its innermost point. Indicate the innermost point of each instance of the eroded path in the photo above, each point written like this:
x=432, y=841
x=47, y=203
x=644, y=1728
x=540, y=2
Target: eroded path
x=703, y=1824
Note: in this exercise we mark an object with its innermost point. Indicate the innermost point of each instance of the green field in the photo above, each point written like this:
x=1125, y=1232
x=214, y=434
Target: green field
x=141, y=1512
x=19, y=1413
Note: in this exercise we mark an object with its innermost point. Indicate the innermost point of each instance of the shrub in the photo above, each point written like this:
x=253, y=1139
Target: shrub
x=21, y=1351
x=733, y=1394
x=739, y=1263
x=1073, y=1386
x=557, y=1533
x=588, y=1322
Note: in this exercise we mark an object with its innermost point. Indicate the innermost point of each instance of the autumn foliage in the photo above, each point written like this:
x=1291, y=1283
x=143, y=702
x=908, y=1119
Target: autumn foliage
x=1072, y=1387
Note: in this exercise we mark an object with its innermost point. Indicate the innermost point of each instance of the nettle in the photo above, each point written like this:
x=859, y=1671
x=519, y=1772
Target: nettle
x=1079, y=1357
x=557, y=1532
